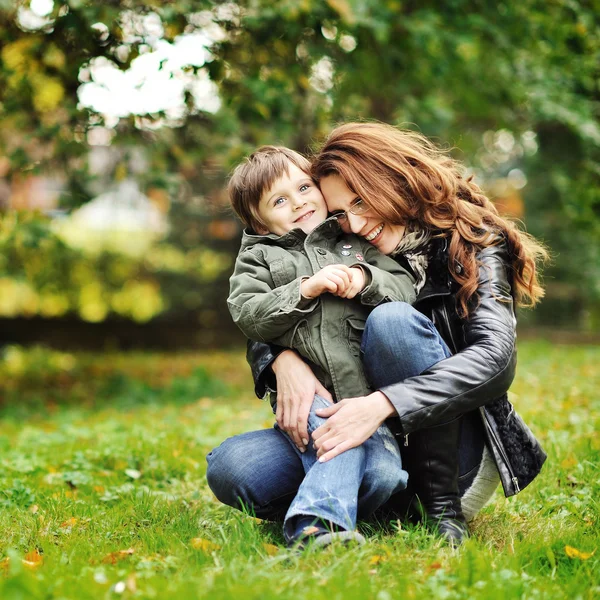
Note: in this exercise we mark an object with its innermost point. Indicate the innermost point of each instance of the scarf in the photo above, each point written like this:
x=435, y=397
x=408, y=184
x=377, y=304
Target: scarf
x=414, y=246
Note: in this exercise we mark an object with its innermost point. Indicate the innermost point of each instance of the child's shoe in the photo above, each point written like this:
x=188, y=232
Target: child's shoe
x=312, y=532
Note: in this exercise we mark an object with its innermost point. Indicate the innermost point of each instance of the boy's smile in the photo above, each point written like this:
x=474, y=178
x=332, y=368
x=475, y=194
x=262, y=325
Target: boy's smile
x=293, y=201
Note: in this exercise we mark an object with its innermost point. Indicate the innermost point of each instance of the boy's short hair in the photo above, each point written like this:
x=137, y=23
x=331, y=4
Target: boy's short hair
x=256, y=174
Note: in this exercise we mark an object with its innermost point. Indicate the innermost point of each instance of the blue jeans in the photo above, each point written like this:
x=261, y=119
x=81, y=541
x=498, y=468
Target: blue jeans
x=262, y=471
x=356, y=482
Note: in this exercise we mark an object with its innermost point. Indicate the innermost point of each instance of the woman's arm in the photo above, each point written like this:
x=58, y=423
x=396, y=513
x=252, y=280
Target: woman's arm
x=482, y=371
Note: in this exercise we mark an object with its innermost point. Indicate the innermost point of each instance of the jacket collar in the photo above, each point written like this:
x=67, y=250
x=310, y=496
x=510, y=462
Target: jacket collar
x=327, y=231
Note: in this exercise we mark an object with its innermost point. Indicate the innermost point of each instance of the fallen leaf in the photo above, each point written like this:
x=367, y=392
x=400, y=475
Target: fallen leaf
x=69, y=522
x=33, y=559
x=204, y=545
x=271, y=549
x=434, y=566
x=569, y=462
x=34, y=508
x=114, y=557
x=99, y=489
x=375, y=560
x=574, y=553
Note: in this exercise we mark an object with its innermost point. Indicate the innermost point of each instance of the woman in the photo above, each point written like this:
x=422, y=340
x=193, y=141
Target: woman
x=451, y=359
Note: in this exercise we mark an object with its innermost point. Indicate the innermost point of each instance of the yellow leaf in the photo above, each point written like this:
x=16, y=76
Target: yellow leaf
x=69, y=522
x=574, y=553
x=375, y=560
x=569, y=462
x=114, y=557
x=204, y=545
x=4, y=564
x=33, y=559
x=271, y=549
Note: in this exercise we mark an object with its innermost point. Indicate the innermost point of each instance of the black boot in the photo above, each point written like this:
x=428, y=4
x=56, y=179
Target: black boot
x=431, y=458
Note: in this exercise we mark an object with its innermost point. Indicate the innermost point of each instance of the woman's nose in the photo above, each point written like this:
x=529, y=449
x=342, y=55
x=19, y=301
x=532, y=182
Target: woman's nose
x=355, y=222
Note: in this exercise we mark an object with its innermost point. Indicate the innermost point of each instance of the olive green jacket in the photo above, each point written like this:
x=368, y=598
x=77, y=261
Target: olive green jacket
x=266, y=303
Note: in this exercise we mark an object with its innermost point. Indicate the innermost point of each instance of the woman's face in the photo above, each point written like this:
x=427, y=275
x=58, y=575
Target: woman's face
x=384, y=236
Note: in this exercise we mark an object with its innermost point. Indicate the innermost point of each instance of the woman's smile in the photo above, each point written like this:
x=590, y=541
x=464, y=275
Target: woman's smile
x=368, y=225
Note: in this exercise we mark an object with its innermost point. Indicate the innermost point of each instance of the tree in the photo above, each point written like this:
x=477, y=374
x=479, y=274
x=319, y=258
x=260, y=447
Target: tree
x=286, y=71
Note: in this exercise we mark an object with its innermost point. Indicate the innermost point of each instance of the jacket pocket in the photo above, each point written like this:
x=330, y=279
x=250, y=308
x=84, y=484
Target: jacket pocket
x=353, y=332
x=281, y=273
x=302, y=343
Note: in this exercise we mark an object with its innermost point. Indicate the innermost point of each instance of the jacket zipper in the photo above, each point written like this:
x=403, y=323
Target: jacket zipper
x=500, y=447
x=406, y=440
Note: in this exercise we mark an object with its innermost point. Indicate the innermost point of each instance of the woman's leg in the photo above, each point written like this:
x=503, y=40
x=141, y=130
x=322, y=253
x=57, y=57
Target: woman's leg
x=400, y=342
x=257, y=471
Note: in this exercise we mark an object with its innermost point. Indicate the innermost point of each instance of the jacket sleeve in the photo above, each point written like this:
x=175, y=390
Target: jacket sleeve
x=482, y=371
x=262, y=311
x=260, y=357
x=389, y=281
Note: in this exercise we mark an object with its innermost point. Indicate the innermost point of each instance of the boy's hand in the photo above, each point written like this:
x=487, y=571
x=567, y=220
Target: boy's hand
x=357, y=283
x=334, y=279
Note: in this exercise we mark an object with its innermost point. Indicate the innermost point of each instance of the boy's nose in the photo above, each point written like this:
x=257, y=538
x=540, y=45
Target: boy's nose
x=299, y=202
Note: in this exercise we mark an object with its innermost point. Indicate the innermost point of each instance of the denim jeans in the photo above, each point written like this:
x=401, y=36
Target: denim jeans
x=356, y=482
x=261, y=471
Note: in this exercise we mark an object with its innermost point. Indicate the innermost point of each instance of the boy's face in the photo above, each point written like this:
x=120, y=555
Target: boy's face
x=293, y=201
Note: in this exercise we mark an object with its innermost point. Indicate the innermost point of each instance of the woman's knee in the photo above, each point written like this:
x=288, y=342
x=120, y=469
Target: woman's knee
x=387, y=321
x=225, y=472
x=257, y=470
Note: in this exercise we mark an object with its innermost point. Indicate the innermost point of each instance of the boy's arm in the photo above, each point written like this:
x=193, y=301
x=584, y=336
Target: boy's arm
x=262, y=311
x=389, y=281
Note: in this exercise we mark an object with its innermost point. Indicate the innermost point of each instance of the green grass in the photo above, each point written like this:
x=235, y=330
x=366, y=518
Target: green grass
x=103, y=491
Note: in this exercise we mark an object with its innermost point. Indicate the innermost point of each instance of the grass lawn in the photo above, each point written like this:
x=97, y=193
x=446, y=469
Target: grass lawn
x=103, y=491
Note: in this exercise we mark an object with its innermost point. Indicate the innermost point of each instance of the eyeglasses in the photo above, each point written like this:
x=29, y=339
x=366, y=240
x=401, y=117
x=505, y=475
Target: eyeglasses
x=357, y=207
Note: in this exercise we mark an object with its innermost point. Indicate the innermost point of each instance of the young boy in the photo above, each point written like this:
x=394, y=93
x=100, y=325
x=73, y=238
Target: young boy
x=302, y=283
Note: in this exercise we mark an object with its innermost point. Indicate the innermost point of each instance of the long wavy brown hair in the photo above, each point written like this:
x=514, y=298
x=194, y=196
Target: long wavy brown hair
x=406, y=178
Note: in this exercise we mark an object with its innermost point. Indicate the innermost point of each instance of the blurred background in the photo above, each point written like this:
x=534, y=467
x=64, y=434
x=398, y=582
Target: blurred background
x=121, y=119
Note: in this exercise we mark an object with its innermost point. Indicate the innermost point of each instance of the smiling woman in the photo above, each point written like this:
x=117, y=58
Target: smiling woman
x=358, y=217
x=439, y=372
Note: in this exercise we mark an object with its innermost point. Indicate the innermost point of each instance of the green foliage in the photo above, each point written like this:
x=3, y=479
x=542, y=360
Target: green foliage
x=109, y=498
x=286, y=71
x=41, y=275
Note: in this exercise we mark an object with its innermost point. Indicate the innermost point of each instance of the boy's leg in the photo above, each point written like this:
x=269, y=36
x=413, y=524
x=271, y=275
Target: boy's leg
x=329, y=492
x=370, y=474
x=384, y=475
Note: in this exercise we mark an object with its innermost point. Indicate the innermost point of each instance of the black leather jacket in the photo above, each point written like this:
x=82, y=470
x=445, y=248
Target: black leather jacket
x=476, y=377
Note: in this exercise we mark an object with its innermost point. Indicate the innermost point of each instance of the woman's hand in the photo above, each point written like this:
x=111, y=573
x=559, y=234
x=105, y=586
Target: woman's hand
x=296, y=388
x=350, y=423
